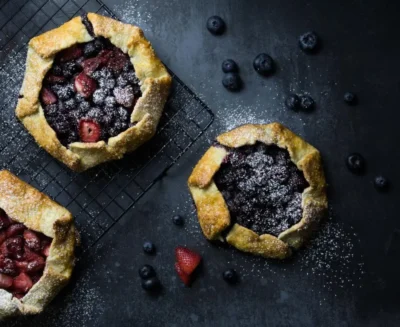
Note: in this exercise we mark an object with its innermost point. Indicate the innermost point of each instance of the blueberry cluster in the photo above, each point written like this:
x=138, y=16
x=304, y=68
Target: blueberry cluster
x=109, y=102
x=262, y=188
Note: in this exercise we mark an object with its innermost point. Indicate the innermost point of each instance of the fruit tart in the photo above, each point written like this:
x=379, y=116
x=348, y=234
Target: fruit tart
x=260, y=187
x=37, y=241
x=93, y=90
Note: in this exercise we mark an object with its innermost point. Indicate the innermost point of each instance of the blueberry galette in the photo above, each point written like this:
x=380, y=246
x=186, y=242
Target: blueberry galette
x=37, y=241
x=262, y=187
x=93, y=90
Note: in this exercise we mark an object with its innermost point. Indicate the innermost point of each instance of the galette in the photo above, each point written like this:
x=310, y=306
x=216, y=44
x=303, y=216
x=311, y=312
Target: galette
x=260, y=187
x=93, y=90
x=37, y=242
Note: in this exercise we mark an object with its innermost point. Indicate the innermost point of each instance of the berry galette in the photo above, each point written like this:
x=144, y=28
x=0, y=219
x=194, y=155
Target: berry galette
x=93, y=90
x=261, y=186
x=37, y=242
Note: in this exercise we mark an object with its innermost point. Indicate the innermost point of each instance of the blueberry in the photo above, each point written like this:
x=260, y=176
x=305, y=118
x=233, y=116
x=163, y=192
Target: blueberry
x=51, y=110
x=355, y=163
x=70, y=68
x=308, y=41
x=178, y=220
x=232, y=82
x=147, y=272
x=152, y=284
x=229, y=66
x=149, y=248
x=263, y=64
x=292, y=102
x=381, y=183
x=89, y=49
x=70, y=104
x=99, y=44
x=230, y=276
x=350, y=98
x=306, y=102
x=61, y=126
x=57, y=70
x=216, y=25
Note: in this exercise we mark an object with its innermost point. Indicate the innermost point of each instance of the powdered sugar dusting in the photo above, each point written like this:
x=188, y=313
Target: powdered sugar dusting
x=136, y=12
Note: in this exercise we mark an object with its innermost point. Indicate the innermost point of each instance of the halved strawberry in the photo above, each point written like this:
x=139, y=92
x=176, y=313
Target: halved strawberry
x=32, y=240
x=71, y=53
x=22, y=283
x=15, y=229
x=118, y=61
x=46, y=250
x=36, y=265
x=105, y=56
x=184, y=277
x=89, y=130
x=54, y=79
x=5, y=281
x=4, y=220
x=85, y=85
x=91, y=65
x=47, y=96
x=187, y=259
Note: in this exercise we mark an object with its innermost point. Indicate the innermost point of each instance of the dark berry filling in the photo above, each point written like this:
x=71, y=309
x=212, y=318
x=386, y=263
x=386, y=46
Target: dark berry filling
x=92, y=82
x=262, y=188
x=23, y=254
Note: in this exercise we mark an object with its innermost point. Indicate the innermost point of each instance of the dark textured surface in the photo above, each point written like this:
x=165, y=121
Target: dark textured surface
x=359, y=54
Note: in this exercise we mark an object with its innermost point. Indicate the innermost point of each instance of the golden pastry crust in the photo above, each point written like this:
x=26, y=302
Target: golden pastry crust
x=25, y=204
x=154, y=79
x=213, y=212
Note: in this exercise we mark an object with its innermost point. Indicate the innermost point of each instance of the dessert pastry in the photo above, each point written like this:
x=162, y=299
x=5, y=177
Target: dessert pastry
x=93, y=90
x=262, y=187
x=37, y=241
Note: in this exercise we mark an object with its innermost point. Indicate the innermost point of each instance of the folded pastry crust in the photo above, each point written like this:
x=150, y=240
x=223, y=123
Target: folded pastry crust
x=154, y=84
x=26, y=205
x=213, y=213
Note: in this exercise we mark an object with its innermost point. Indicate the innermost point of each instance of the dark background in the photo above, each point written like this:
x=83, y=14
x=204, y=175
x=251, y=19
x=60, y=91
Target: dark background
x=349, y=275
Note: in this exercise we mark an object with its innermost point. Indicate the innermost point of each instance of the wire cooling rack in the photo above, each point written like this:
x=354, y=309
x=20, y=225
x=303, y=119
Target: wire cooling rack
x=99, y=197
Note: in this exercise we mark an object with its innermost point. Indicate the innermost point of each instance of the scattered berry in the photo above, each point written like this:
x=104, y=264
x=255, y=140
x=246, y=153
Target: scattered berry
x=178, y=220
x=292, y=102
x=232, y=82
x=229, y=66
x=151, y=284
x=350, y=98
x=89, y=131
x=381, y=183
x=355, y=163
x=147, y=272
x=149, y=248
x=216, y=25
x=230, y=276
x=308, y=41
x=263, y=64
x=306, y=102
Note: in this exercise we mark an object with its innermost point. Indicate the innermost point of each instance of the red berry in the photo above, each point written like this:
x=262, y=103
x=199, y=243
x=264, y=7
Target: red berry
x=89, y=130
x=29, y=255
x=91, y=65
x=5, y=281
x=85, y=85
x=184, y=277
x=54, y=79
x=36, y=265
x=22, y=283
x=8, y=266
x=47, y=96
x=46, y=250
x=105, y=56
x=15, y=229
x=187, y=259
x=118, y=61
x=32, y=240
x=15, y=247
x=70, y=53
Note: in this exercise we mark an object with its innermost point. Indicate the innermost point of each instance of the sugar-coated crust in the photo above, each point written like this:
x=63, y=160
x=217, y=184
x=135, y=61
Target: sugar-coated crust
x=25, y=204
x=314, y=200
x=154, y=79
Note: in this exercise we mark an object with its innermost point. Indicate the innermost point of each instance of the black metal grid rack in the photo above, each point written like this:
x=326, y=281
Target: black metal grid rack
x=99, y=197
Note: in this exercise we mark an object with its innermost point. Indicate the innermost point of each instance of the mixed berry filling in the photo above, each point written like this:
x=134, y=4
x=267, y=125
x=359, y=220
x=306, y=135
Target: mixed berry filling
x=23, y=254
x=262, y=188
x=89, y=93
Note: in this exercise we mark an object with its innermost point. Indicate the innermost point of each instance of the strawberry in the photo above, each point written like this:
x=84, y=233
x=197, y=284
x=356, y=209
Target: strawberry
x=46, y=250
x=92, y=64
x=89, y=130
x=29, y=255
x=85, y=85
x=36, y=265
x=5, y=281
x=15, y=247
x=118, y=61
x=22, y=283
x=71, y=53
x=47, y=96
x=184, y=277
x=4, y=220
x=22, y=266
x=105, y=56
x=54, y=79
x=187, y=259
x=15, y=229
x=32, y=240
